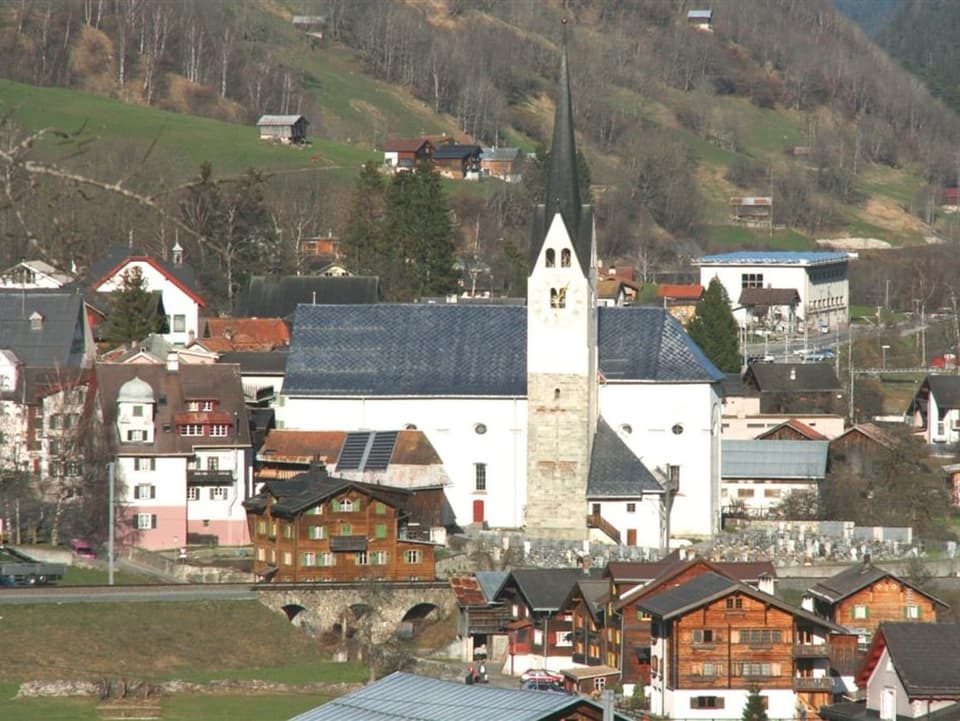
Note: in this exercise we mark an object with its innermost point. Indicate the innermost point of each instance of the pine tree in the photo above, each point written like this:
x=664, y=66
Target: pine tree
x=364, y=231
x=754, y=709
x=133, y=310
x=714, y=329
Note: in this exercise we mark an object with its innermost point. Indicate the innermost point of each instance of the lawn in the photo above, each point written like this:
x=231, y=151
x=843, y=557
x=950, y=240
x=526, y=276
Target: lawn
x=736, y=237
x=182, y=141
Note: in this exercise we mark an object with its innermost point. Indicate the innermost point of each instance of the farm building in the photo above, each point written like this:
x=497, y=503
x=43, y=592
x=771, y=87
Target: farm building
x=285, y=128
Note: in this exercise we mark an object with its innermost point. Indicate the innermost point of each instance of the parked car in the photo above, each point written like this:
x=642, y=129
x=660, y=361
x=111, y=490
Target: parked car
x=541, y=674
x=82, y=549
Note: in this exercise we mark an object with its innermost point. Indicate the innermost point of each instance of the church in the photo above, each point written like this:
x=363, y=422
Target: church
x=560, y=417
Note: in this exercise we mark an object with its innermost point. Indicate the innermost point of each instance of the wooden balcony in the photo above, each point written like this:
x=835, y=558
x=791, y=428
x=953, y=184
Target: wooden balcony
x=595, y=520
x=811, y=650
x=810, y=683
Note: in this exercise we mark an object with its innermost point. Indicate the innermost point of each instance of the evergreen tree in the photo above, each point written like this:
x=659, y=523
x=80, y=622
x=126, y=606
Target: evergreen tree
x=364, y=232
x=714, y=329
x=754, y=709
x=416, y=251
x=133, y=310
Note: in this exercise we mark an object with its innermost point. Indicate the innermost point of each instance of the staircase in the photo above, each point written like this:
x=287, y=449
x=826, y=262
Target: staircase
x=595, y=520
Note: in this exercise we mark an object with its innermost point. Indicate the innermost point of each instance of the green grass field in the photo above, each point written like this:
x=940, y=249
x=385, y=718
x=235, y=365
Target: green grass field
x=736, y=236
x=183, y=142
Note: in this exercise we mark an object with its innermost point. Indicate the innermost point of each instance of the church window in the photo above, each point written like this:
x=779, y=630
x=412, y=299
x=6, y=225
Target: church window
x=480, y=476
x=565, y=258
x=558, y=297
x=551, y=257
x=556, y=394
x=677, y=429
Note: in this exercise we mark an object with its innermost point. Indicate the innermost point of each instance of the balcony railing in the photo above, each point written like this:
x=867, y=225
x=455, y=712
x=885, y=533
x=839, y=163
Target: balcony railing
x=595, y=520
x=811, y=650
x=812, y=683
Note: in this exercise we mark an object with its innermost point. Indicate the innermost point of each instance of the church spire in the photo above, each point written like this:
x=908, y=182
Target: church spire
x=562, y=193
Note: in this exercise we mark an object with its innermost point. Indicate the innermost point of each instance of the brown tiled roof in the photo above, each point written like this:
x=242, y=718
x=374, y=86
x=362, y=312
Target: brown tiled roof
x=680, y=292
x=873, y=432
x=285, y=446
x=467, y=590
x=413, y=448
x=171, y=391
x=226, y=334
x=802, y=428
x=403, y=145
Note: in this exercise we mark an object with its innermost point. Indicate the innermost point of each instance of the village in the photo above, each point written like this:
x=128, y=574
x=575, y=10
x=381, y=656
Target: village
x=337, y=438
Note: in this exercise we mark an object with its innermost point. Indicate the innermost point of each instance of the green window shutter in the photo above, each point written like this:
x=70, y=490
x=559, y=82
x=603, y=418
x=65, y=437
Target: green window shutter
x=356, y=505
x=381, y=530
x=334, y=505
x=381, y=509
x=346, y=530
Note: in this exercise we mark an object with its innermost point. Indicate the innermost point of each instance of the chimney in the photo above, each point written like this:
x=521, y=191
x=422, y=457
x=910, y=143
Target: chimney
x=173, y=361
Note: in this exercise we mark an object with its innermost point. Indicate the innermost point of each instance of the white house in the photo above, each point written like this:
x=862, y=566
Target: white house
x=183, y=451
x=34, y=274
x=512, y=398
x=175, y=280
x=935, y=409
x=819, y=278
x=758, y=475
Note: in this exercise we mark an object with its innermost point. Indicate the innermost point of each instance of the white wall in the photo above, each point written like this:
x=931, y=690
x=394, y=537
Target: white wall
x=175, y=301
x=450, y=425
x=652, y=410
x=760, y=497
x=645, y=520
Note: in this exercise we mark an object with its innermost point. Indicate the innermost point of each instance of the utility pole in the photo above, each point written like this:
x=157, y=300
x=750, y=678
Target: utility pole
x=850, y=369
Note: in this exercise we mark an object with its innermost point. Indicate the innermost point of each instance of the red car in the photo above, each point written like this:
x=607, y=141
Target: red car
x=541, y=674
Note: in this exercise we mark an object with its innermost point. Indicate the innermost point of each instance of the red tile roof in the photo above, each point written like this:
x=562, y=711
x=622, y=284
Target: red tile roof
x=802, y=428
x=680, y=292
x=468, y=591
x=404, y=145
x=226, y=334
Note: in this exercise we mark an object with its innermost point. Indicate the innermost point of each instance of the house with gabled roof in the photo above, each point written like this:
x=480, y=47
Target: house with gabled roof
x=864, y=448
x=458, y=160
x=633, y=621
x=616, y=291
x=592, y=641
x=175, y=280
x=934, y=410
x=405, y=154
x=222, y=335
x=283, y=128
x=864, y=595
x=278, y=297
x=714, y=640
x=317, y=527
x=34, y=274
x=909, y=672
x=796, y=388
x=758, y=475
x=46, y=328
x=503, y=163
x=791, y=430
x=773, y=309
x=481, y=618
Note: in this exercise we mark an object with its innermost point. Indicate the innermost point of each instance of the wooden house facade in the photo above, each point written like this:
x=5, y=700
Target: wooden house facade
x=457, y=161
x=864, y=449
x=863, y=596
x=313, y=527
x=283, y=128
x=402, y=155
x=715, y=639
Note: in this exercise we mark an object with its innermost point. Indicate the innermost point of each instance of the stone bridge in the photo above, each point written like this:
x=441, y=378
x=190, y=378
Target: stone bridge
x=380, y=608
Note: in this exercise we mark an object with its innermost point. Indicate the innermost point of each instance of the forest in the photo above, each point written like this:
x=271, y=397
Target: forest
x=787, y=98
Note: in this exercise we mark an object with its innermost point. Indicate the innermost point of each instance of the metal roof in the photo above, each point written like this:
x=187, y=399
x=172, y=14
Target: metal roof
x=407, y=697
x=769, y=257
x=280, y=120
x=773, y=459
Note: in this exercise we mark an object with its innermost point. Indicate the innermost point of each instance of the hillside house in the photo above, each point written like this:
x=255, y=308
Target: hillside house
x=316, y=527
x=181, y=449
x=909, y=672
x=34, y=274
x=503, y=163
x=752, y=211
x=458, y=161
x=935, y=410
x=321, y=256
x=819, y=277
x=714, y=640
x=700, y=20
x=402, y=155
x=863, y=595
x=175, y=281
x=758, y=475
x=615, y=291
x=287, y=129
x=312, y=25
x=680, y=300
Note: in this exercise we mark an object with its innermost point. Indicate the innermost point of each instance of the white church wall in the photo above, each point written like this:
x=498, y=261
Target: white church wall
x=453, y=427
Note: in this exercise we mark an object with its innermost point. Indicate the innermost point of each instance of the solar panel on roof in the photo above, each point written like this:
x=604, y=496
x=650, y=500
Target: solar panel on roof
x=353, y=451
x=380, y=451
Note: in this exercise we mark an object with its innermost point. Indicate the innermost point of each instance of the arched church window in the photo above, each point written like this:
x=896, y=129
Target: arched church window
x=565, y=258
x=558, y=297
x=551, y=257
x=556, y=394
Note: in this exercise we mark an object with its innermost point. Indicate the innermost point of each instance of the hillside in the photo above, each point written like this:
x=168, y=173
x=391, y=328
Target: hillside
x=780, y=98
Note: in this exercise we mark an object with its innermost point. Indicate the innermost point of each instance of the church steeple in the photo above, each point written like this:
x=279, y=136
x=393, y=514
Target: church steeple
x=563, y=184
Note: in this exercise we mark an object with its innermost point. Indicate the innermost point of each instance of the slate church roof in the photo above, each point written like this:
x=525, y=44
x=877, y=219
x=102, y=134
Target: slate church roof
x=615, y=471
x=468, y=350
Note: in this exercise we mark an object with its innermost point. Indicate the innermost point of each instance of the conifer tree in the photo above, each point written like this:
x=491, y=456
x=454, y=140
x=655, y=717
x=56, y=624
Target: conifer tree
x=754, y=709
x=364, y=232
x=133, y=310
x=714, y=329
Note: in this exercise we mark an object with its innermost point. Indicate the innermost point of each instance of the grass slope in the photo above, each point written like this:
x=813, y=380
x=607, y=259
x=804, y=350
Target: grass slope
x=183, y=141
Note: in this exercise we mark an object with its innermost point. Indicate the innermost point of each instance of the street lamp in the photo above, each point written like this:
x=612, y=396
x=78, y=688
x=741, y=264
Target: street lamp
x=884, y=348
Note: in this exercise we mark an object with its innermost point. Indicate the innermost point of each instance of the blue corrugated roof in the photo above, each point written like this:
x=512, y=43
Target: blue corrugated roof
x=468, y=350
x=773, y=459
x=771, y=257
x=405, y=696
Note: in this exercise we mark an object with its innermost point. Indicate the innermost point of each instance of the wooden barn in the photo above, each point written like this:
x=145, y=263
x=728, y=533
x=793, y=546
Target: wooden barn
x=288, y=129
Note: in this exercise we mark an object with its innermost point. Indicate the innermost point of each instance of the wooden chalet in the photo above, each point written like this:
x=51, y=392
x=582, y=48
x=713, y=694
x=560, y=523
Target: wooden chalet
x=593, y=640
x=481, y=620
x=457, y=161
x=405, y=154
x=909, y=672
x=314, y=527
x=283, y=128
x=863, y=596
x=715, y=639
x=796, y=388
x=792, y=430
x=503, y=163
x=538, y=633
x=634, y=620
x=864, y=448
